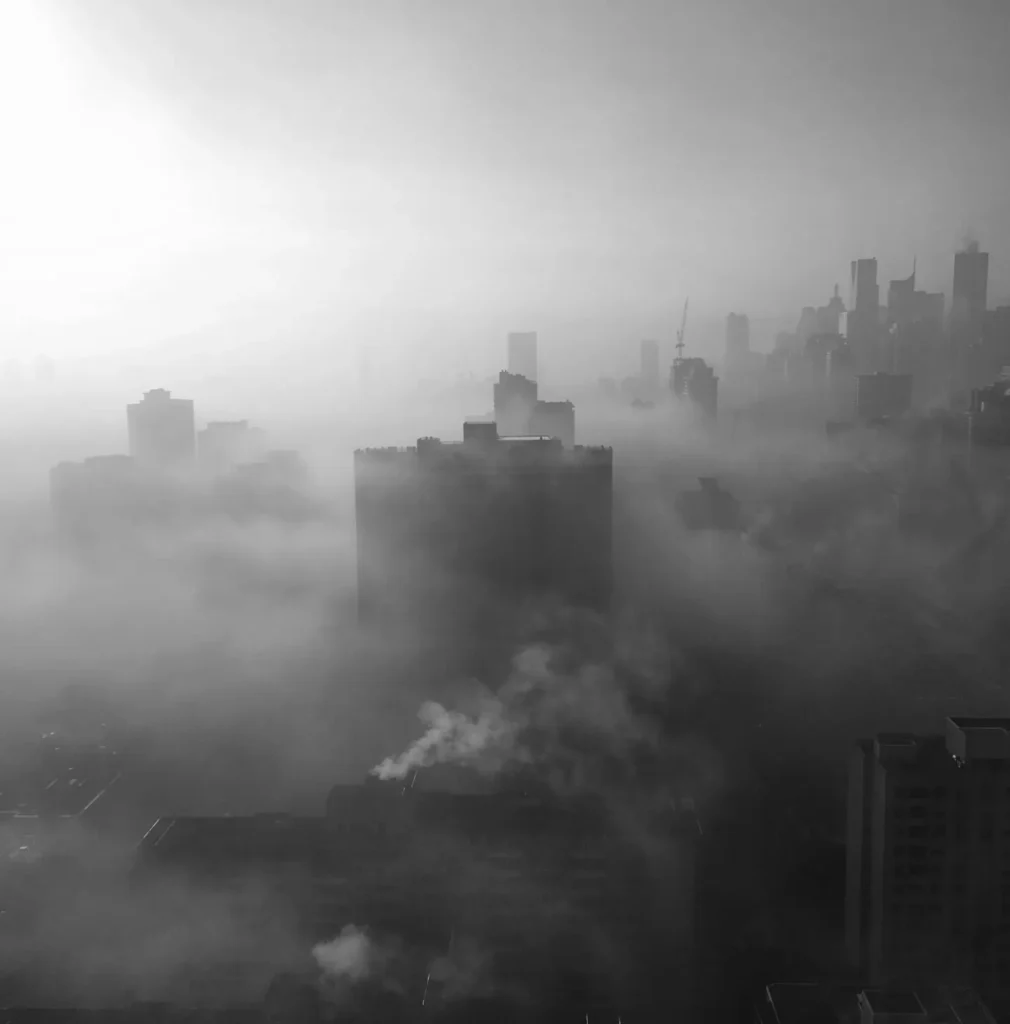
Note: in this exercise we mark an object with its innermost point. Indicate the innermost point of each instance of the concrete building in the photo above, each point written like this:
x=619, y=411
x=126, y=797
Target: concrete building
x=444, y=527
x=989, y=415
x=863, y=328
x=162, y=430
x=222, y=445
x=694, y=382
x=556, y=420
x=968, y=303
x=515, y=398
x=883, y=395
x=928, y=849
x=518, y=412
x=522, y=354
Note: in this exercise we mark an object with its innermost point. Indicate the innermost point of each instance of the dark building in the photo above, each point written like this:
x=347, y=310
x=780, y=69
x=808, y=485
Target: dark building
x=554, y=419
x=693, y=381
x=441, y=525
x=968, y=304
x=883, y=395
x=927, y=856
x=522, y=354
x=863, y=318
x=276, y=486
x=162, y=430
x=989, y=415
x=527, y=877
x=223, y=445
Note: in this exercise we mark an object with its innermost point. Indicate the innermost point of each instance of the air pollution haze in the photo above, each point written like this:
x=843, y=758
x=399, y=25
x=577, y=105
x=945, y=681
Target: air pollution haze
x=305, y=713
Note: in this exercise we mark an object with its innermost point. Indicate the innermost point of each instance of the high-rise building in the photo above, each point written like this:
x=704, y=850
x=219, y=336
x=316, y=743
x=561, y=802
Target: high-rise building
x=649, y=359
x=515, y=398
x=554, y=419
x=862, y=322
x=444, y=529
x=162, y=430
x=694, y=381
x=928, y=858
x=522, y=354
x=968, y=305
x=223, y=444
x=519, y=413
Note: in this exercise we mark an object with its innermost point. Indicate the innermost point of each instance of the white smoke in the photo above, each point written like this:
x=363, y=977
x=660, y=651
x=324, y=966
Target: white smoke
x=452, y=736
x=351, y=956
x=551, y=699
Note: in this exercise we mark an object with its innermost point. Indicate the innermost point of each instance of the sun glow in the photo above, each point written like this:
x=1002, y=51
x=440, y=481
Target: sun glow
x=93, y=192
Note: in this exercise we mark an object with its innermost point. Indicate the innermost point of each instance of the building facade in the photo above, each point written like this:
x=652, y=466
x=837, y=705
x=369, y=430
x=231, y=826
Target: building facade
x=443, y=528
x=162, y=430
x=522, y=354
x=928, y=858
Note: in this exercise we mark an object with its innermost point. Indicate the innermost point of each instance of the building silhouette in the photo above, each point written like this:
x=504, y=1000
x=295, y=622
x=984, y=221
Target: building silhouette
x=969, y=297
x=928, y=858
x=863, y=318
x=694, y=383
x=444, y=528
x=522, y=354
x=519, y=413
x=162, y=430
x=224, y=444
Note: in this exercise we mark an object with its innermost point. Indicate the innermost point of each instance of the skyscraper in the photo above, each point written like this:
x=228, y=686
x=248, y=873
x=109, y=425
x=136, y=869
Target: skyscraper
x=863, y=319
x=444, y=527
x=162, y=430
x=971, y=284
x=928, y=858
x=522, y=354
x=737, y=337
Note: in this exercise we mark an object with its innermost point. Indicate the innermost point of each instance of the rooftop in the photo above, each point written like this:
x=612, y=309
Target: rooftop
x=893, y=1001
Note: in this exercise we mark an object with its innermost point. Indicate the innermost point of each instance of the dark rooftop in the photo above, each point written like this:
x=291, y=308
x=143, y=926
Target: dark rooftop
x=891, y=1001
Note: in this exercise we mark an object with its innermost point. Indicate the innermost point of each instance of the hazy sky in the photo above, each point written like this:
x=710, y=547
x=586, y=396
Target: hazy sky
x=434, y=172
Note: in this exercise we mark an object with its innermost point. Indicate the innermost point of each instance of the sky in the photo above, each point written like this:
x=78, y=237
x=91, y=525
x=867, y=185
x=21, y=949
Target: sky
x=420, y=177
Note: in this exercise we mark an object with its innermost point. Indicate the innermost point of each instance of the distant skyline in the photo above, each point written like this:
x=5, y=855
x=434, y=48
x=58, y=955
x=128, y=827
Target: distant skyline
x=434, y=174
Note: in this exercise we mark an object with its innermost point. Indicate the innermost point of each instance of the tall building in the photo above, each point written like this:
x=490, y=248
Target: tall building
x=446, y=529
x=223, y=444
x=554, y=419
x=968, y=305
x=693, y=381
x=515, y=398
x=162, y=430
x=519, y=413
x=862, y=323
x=928, y=858
x=649, y=364
x=522, y=354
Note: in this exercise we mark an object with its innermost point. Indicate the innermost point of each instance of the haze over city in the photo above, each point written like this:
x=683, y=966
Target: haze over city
x=505, y=511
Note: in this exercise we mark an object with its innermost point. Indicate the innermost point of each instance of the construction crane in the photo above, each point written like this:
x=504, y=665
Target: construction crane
x=680, y=334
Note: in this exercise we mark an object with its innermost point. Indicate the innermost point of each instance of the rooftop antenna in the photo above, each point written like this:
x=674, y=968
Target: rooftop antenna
x=680, y=334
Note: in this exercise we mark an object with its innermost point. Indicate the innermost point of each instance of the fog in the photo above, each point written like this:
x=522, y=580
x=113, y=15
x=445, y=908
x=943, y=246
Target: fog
x=324, y=218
